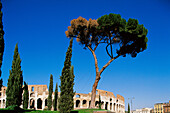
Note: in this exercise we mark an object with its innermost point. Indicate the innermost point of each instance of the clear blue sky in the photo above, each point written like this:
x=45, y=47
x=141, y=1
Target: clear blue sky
x=38, y=26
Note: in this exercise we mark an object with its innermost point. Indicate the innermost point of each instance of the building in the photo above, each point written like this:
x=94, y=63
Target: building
x=143, y=110
x=2, y=97
x=38, y=95
x=158, y=108
x=166, y=108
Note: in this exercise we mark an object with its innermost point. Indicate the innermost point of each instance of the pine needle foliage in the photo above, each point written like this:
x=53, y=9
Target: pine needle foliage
x=118, y=36
x=25, y=96
x=55, y=98
x=49, y=101
x=66, y=103
x=15, y=81
x=1, y=42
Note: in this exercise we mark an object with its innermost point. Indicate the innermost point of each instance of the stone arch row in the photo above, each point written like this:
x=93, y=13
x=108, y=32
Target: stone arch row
x=39, y=103
x=104, y=105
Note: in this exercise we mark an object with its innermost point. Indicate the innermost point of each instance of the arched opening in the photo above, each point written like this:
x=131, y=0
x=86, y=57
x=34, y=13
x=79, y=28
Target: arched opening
x=106, y=106
x=110, y=106
x=32, y=103
x=97, y=103
x=39, y=104
x=45, y=102
x=117, y=107
x=32, y=89
x=117, y=100
x=77, y=96
x=84, y=103
x=32, y=95
x=102, y=105
x=4, y=103
x=89, y=102
x=114, y=105
x=77, y=103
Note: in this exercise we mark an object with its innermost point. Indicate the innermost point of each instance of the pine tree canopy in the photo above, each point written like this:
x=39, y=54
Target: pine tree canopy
x=110, y=29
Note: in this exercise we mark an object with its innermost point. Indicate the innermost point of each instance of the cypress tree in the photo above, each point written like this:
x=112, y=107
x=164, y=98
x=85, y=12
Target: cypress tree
x=49, y=101
x=15, y=81
x=55, y=98
x=66, y=96
x=100, y=102
x=25, y=96
x=1, y=42
x=128, y=108
x=71, y=85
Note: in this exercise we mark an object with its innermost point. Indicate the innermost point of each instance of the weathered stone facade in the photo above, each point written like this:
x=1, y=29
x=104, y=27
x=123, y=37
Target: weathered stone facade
x=38, y=95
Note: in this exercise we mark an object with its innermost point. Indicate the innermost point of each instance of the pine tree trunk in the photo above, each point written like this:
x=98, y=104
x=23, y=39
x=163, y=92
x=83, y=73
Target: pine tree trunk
x=93, y=95
x=98, y=76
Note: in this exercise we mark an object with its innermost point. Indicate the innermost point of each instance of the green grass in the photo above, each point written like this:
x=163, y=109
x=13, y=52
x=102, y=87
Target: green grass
x=40, y=111
x=26, y=111
x=89, y=110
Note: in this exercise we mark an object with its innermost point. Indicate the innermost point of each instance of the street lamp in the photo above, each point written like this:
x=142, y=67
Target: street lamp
x=131, y=102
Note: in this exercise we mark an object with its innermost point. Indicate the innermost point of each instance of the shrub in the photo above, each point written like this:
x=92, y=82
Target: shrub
x=14, y=107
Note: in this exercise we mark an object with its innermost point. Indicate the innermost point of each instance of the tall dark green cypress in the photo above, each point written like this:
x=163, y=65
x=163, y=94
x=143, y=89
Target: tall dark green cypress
x=100, y=103
x=25, y=96
x=66, y=96
x=128, y=108
x=55, y=98
x=71, y=85
x=15, y=81
x=49, y=101
x=1, y=42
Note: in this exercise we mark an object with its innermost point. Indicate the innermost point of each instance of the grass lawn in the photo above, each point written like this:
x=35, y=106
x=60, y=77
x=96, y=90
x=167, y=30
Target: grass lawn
x=40, y=111
x=26, y=111
x=89, y=110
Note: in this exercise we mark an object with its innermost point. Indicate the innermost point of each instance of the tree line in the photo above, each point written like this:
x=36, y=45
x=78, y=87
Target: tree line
x=15, y=86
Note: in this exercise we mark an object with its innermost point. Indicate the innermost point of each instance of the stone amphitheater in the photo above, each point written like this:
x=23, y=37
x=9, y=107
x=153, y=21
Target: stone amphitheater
x=38, y=95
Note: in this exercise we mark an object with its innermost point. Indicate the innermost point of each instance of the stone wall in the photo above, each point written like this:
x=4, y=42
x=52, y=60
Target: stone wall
x=38, y=95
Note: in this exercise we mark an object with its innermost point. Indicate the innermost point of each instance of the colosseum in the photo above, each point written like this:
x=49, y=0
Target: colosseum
x=38, y=95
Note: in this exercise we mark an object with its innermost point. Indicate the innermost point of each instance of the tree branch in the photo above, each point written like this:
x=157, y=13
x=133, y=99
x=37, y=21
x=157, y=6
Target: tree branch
x=108, y=52
x=97, y=44
x=95, y=59
x=111, y=47
x=107, y=64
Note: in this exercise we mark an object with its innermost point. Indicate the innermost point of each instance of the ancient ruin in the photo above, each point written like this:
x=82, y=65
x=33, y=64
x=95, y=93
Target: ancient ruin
x=38, y=95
